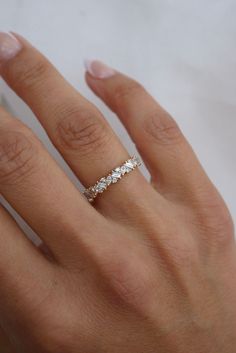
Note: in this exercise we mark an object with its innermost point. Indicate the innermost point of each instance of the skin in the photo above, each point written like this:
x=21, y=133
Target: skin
x=149, y=267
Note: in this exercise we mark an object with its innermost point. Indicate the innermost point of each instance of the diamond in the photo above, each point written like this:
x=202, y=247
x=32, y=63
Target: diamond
x=116, y=174
x=136, y=161
x=129, y=165
x=89, y=194
x=109, y=180
x=123, y=170
x=101, y=185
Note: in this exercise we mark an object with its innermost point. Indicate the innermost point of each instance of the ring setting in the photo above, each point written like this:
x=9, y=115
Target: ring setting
x=113, y=177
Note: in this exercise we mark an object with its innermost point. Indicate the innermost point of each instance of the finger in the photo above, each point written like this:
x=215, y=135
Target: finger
x=74, y=125
x=171, y=161
x=24, y=272
x=37, y=188
x=40, y=192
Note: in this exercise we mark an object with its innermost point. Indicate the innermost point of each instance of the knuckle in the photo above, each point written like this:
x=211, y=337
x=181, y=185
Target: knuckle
x=162, y=128
x=131, y=282
x=174, y=252
x=30, y=74
x=124, y=91
x=184, y=254
x=16, y=156
x=81, y=131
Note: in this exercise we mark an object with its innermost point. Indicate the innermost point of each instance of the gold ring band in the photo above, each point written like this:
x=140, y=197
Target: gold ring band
x=113, y=177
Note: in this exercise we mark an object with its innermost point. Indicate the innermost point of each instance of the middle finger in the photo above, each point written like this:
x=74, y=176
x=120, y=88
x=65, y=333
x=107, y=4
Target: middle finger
x=37, y=188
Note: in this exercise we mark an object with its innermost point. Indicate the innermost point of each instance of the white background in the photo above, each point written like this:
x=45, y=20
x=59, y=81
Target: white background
x=183, y=51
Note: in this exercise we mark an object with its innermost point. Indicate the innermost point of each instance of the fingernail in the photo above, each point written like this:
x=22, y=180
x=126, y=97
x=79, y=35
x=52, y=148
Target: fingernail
x=98, y=69
x=9, y=46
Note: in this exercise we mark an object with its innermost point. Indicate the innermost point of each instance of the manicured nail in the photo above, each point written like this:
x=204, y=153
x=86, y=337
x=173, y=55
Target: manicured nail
x=9, y=46
x=98, y=69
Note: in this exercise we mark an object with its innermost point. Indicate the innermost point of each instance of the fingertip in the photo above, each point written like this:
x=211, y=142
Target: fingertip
x=10, y=46
x=98, y=70
x=87, y=65
x=96, y=85
x=19, y=37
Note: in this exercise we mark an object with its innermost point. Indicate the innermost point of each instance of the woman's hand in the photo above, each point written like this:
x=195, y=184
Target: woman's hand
x=149, y=267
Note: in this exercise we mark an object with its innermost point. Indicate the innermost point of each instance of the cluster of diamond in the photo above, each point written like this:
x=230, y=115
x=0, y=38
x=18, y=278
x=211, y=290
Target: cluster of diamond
x=112, y=178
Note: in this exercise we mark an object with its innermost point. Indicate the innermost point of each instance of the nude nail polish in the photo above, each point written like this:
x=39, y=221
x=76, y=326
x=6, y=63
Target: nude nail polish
x=98, y=69
x=9, y=46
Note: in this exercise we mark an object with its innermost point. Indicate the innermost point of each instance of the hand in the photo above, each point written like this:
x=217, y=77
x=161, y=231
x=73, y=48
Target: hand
x=148, y=267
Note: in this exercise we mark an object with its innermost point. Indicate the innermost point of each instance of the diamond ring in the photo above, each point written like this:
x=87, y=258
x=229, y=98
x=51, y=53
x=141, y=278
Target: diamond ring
x=113, y=177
